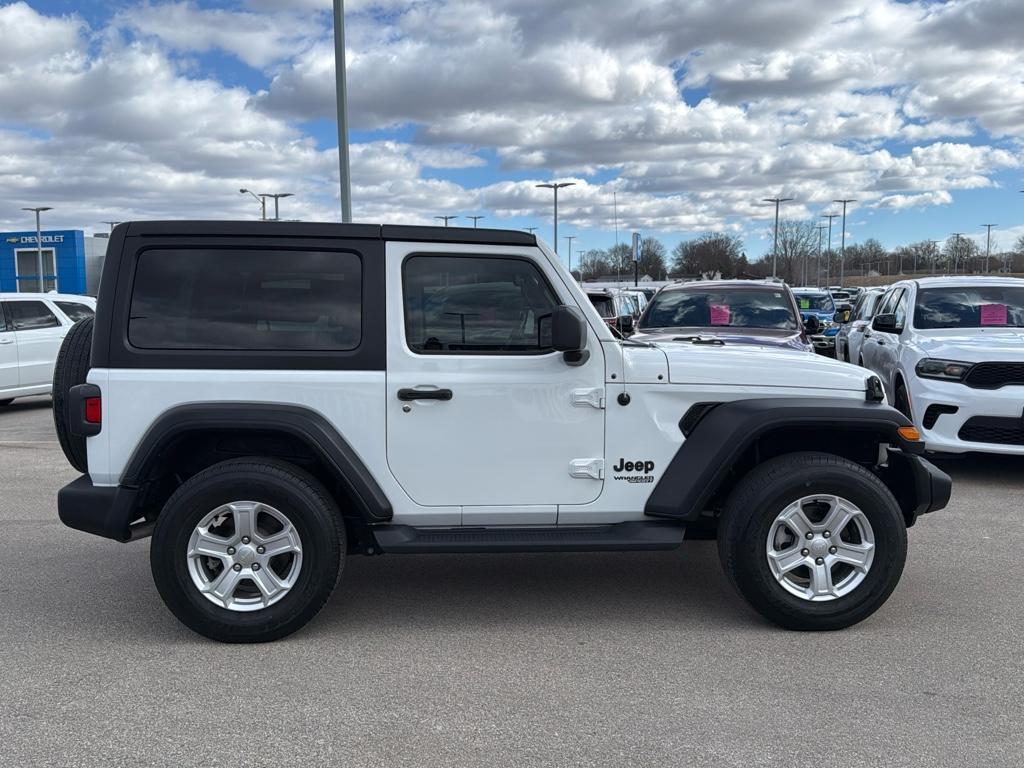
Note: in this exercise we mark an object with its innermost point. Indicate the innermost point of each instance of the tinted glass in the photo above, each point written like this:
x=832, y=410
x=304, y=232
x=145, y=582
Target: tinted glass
x=736, y=308
x=475, y=304
x=29, y=315
x=605, y=305
x=866, y=305
x=246, y=300
x=815, y=302
x=901, y=310
x=74, y=310
x=975, y=307
x=888, y=301
x=3, y=320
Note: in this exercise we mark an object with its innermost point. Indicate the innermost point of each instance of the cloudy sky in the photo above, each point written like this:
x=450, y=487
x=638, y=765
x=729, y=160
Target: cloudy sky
x=688, y=112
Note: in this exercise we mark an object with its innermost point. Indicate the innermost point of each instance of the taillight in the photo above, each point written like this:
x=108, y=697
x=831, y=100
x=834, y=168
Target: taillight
x=93, y=410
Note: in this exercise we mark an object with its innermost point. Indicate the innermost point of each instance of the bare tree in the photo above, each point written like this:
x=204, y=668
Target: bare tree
x=711, y=253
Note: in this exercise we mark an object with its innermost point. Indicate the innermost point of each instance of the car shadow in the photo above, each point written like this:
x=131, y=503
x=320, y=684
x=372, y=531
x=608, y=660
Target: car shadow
x=36, y=403
x=989, y=468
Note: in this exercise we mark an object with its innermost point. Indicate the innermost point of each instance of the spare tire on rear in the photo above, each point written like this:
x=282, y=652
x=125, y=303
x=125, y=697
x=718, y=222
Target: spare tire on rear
x=71, y=369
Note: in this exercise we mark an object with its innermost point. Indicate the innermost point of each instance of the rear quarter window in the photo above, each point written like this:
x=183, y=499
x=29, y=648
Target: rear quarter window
x=246, y=299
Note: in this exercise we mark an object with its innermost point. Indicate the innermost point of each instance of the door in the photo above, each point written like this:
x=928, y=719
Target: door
x=8, y=354
x=874, y=341
x=39, y=334
x=481, y=412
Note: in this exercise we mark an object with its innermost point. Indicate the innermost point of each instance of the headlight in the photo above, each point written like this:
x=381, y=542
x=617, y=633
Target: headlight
x=945, y=370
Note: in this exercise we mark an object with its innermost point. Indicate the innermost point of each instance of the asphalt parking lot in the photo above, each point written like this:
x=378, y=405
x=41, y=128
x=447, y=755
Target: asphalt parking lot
x=581, y=659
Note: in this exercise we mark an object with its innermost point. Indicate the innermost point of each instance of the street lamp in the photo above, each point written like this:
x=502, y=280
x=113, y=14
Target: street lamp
x=475, y=219
x=842, y=250
x=446, y=219
x=531, y=230
x=555, y=186
x=260, y=199
x=570, y=238
x=277, y=196
x=817, y=263
x=828, y=252
x=988, y=243
x=39, y=245
x=775, y=247
x=111, y=224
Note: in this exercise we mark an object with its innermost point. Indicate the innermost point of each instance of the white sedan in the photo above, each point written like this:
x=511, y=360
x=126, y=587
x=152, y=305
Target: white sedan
x=32, y=326
x=950, y=351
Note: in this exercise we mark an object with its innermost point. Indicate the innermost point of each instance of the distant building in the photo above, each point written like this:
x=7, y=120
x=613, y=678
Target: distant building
x=71, y=261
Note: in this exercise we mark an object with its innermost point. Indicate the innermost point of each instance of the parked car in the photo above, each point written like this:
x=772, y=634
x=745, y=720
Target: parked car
x=950, y=351
x=817, y=303
x=616, y=309
x=851, y=331
x=32, y=326
x=267, y=399
x=730, y=311
x=639, y=297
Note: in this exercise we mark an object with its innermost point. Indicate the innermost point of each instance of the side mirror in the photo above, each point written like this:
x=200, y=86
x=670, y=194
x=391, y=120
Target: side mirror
x=812, y=325
x=885, y=323
x=627, y=323
x=842, y=316
x=569, y=334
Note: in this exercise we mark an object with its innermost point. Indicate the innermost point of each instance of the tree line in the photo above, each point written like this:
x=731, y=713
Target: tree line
x=801, y=255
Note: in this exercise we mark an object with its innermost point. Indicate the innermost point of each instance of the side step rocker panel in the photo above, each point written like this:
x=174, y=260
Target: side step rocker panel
x=635, y=535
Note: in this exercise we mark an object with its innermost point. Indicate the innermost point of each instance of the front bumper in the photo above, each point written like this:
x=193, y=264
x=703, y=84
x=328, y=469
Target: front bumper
x=919, y=486
x=944, y=436
x=106, y=511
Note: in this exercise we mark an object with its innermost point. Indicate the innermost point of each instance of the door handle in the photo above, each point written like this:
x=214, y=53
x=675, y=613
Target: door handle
x=405, y=395
x=6, y=341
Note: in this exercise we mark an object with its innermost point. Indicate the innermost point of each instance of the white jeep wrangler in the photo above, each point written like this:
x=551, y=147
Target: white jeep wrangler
x=267, y=398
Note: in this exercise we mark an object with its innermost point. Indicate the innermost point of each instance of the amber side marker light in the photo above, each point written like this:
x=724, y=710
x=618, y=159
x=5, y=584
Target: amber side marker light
x=909, y=433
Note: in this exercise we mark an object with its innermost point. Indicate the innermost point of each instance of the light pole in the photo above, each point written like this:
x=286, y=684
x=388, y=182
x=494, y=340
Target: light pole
x=988, y=243
x=277, y=196
x=475, y=219
x=555, y=186
x=112, y=224
x=39, y=245
x=531, y=230
x=828, y=252
x=570, y=238
x=446, y=219
x=842, y=250
x=260, y=199
x=775, y=247
x=956, y=249
x=817, y=263
x=344, y=170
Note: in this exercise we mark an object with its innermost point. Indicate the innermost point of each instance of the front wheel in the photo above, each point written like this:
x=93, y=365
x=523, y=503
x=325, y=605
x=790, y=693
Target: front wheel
x=813, y=541
x=248, y=550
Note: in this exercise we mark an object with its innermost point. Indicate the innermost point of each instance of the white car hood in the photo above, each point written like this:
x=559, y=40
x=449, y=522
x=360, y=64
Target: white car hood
x=972, y=345
x=759, y=366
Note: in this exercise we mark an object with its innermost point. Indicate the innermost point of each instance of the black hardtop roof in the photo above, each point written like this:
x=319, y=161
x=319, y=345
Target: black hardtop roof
x=200, y=228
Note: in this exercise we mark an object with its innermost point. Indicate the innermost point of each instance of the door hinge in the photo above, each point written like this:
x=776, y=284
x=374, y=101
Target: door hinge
x=592, y=469
x=593, y=397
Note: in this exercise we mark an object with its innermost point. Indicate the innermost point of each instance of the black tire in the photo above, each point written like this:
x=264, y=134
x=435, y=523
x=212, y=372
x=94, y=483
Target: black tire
x=764, y=493
x=70, y=370
x=297, y=494
x=6, y=401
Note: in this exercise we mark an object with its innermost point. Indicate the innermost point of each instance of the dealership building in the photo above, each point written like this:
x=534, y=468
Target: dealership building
x=71, y=261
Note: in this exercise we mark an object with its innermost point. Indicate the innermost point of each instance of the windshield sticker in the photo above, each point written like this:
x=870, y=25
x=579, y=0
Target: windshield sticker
x=993, y=314
x=805, y=303
x=719, y=314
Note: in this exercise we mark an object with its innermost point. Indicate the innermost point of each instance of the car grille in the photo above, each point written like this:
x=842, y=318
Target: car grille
x=990, y=429
x=934, y=411
x=994, y=375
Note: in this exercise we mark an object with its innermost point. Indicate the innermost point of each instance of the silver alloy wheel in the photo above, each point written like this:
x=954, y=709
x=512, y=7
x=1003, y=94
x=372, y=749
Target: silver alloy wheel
x=244, y=556
x=820, y=547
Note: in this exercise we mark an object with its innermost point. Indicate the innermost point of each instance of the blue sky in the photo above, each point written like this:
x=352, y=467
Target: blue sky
x=689, y=113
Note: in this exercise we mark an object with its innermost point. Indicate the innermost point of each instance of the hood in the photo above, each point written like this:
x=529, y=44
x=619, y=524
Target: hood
x=764, y=337
x=743, y=365
x=972, y=345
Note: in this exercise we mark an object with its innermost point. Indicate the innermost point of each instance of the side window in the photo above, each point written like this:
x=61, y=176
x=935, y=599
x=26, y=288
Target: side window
x=30, y=315
x=888, y=302
x=246, y=299
x=901, y=309
x=74, y=310
x=3, y=319
x=476, y=305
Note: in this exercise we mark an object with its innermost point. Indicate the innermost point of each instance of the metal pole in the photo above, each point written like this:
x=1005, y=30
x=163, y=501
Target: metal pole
x=828, y=253
x=344, y=170
x=988, y=243
x=555, y=186
x=556, y=217
x=775, y=247
x=618, y=266
x=446, y=219
x=39, y=254
x=475, y=219
x=570, y=238
x=817, y=263
x=842, y=250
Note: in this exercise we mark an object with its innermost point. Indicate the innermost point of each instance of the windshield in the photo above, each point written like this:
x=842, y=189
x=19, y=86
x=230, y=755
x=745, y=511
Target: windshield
x=815, y=302
x=974, y=307
x=732, y=308
x=604, y=305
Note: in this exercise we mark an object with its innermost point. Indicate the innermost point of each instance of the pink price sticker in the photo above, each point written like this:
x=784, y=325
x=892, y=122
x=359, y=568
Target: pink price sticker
x=993, y=314
x=719, y=314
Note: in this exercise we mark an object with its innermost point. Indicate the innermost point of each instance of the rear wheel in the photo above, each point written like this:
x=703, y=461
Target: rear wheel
x=71, y=369
x=813, y=541
x=248, y=550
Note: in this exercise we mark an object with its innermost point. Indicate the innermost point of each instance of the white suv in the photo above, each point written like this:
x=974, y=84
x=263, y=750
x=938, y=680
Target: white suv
x=951, y=353
x=266, y=399
x=32, y=326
